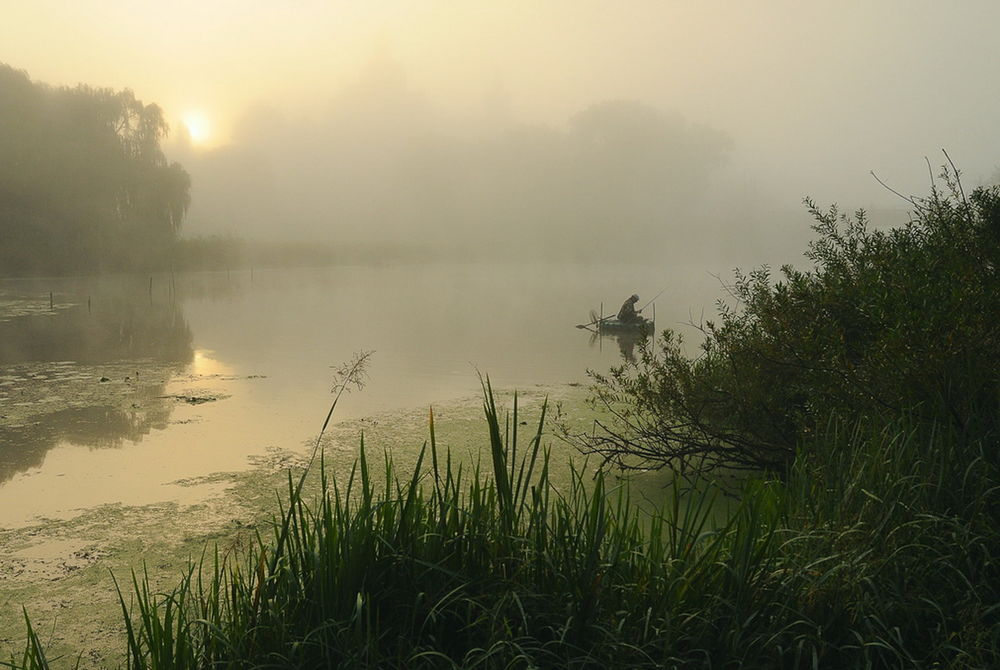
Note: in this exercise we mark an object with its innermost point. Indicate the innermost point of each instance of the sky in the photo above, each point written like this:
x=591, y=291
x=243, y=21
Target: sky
x=814, y=95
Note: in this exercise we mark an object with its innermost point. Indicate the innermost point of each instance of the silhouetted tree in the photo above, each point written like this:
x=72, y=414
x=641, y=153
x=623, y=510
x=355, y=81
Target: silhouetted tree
x=83, y=183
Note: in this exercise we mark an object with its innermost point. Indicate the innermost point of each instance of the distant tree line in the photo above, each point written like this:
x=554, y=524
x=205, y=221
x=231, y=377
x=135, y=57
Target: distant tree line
x=381, y=168
x=84, y=185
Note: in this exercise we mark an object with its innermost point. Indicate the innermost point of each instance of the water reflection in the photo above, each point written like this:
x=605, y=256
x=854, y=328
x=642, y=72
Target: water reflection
x=117, y=325
x=24, y=447
x=625, y=339
x=263, y=344
x=76, y=370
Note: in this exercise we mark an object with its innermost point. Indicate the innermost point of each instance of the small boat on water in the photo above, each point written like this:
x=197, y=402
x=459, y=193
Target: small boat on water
x=613, y=325
x=626, y=333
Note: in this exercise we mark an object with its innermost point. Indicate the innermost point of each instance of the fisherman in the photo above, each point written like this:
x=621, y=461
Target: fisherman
x=628, y=313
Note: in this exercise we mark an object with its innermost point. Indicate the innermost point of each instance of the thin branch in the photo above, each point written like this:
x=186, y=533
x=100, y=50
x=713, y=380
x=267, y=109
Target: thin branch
x=958, y=179
x=908, y=199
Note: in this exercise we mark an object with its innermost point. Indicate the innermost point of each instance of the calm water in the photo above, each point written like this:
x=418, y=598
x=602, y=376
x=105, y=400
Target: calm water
x=266, y=345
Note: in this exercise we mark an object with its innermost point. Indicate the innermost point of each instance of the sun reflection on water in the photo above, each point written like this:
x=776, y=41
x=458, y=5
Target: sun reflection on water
x=204, y=365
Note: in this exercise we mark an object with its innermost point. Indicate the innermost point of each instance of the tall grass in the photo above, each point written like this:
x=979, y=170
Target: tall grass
x=878, y=550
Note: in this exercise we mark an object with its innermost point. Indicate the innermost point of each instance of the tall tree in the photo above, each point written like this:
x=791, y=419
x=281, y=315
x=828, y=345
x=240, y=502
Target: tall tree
x=84, y=185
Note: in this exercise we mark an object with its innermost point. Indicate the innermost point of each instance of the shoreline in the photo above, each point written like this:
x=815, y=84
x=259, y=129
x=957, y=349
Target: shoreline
x=60, y=569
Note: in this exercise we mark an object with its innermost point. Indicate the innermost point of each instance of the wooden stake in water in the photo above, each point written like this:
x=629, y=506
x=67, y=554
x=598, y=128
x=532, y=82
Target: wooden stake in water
x=600, y=326
x=88, y=304
x=51, y=304
x=150, y=290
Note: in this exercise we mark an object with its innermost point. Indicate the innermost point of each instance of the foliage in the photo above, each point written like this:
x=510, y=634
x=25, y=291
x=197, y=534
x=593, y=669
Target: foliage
x=877, y=551
x=886, y=324
x=83, y=183
x=876, y=547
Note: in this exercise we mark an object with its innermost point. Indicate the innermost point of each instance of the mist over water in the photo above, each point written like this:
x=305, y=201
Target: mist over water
x=261, y=352
x=459, y=185
x=473, y=180
x=395, y=130
x=382, y=171
x=208, y=207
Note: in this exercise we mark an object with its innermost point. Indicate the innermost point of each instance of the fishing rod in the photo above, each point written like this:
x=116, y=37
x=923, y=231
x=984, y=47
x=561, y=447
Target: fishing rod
x=654, y=298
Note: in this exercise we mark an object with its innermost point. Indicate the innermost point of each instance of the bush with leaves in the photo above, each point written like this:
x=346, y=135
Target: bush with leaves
x=900, y=322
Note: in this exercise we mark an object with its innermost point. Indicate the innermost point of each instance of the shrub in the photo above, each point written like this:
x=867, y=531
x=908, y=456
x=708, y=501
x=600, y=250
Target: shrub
x=885, y=324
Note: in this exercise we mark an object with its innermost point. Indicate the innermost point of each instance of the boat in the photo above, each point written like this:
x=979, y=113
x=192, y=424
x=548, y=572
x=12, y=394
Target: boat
x=613, y=325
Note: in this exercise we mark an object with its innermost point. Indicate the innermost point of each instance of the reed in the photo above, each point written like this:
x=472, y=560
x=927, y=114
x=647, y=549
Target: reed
x=878, y=549
x=34, y=653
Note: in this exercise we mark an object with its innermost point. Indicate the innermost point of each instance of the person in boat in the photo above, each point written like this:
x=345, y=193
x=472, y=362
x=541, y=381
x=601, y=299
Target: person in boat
x=628, y=312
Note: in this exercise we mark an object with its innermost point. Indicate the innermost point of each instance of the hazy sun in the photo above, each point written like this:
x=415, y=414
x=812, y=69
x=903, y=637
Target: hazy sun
x=198, y=127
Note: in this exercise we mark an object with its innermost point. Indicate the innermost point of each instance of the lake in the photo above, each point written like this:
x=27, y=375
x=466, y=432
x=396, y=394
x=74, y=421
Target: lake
x=117, y=388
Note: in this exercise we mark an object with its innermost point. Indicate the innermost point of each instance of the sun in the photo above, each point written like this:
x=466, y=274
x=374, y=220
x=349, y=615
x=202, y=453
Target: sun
x=198, y=127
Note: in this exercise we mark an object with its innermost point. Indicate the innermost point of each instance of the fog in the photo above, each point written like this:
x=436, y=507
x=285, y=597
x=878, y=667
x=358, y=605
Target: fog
x=561, y=129
x=209, y=207
x=380, y=167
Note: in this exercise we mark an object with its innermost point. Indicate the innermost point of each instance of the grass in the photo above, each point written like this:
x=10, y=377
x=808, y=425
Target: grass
x=877, y=550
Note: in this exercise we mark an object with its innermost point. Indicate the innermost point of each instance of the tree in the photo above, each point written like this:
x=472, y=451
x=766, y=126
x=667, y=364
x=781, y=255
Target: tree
x=83, y=183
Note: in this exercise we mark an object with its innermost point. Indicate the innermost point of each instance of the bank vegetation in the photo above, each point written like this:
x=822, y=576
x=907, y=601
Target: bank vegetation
x=860, y=397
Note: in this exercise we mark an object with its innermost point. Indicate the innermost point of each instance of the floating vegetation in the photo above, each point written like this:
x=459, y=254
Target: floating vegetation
x=491, y=566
